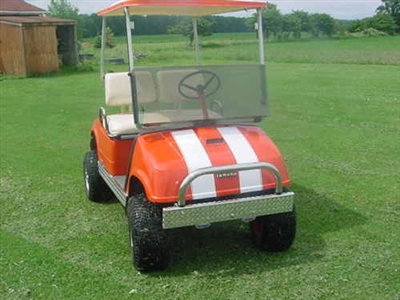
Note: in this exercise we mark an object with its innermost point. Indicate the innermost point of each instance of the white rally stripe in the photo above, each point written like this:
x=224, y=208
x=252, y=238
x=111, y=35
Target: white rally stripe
x=250, y=181
x=195, y=157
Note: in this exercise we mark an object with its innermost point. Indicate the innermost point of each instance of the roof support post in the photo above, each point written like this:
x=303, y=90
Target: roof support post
x=103, y=47
x=261, y=36
x=129, y=39
x=135, y=106
x=196, y=41
x=263, y=74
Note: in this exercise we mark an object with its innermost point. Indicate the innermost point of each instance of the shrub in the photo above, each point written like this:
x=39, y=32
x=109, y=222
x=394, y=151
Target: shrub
x=368, y=32
x=373, y=32
x=110, y=43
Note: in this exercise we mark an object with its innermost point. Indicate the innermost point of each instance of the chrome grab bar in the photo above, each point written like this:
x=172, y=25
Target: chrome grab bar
x=103, y=118
x=230, y=168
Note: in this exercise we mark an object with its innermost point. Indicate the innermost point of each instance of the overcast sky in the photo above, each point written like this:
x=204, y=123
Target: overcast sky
x=340, y=9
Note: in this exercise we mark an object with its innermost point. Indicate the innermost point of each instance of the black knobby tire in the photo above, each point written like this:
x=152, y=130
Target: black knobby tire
x=274, y=233
x=148, y=239
x=96, y=189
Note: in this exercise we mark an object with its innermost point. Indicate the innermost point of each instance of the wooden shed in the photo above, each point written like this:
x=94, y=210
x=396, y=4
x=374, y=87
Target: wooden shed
x=31, y=43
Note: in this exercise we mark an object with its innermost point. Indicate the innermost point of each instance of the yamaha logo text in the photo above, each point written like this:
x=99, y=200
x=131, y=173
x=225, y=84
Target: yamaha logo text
x=227, y=175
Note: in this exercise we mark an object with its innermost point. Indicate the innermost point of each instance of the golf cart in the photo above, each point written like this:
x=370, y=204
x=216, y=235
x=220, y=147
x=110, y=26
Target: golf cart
x=188, y=151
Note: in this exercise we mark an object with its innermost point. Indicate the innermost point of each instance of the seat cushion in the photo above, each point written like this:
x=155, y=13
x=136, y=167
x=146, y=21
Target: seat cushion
x=122, y=124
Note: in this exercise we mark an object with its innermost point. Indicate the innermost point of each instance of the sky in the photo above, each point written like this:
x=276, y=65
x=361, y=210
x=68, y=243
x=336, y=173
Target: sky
x=339, y=9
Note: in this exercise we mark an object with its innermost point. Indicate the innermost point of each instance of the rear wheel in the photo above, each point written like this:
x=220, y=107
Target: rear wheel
x=274, y=233
x=148, y=239
x=96, y=189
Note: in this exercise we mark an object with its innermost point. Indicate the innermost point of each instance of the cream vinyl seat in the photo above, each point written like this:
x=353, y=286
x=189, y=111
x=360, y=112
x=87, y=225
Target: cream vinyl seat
x=118, y=93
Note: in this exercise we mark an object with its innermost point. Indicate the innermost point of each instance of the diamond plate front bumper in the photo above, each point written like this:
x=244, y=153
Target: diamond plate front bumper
x=234, y=209
x=203, y=214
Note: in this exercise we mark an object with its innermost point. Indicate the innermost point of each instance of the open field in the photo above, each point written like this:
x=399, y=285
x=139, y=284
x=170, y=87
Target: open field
x=242, y=48
x=335, y=118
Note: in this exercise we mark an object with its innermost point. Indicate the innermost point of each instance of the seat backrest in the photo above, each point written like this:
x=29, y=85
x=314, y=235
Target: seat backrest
x=168, y=82
x=118, y=88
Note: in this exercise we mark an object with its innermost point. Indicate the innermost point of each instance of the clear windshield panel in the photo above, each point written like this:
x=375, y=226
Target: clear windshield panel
x=200, y=93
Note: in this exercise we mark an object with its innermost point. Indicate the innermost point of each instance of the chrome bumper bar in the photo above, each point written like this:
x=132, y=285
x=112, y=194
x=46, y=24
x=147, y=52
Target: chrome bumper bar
x=225, y=169
x=246, y=209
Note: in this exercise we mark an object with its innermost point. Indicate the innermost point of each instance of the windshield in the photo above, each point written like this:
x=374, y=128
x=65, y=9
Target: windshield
x=200, y=93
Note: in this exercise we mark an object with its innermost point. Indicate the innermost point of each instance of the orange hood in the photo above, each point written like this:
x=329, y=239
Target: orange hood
x=162, y=160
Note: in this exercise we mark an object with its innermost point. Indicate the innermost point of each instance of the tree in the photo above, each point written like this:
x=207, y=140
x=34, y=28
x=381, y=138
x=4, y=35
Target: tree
x=62, y=9
x=117, y=24
x=272, y=21
x=392, y=8
x=381, y=22
x=230, y=24
x=322, y=24
x=65, y=10
x=185, y=28
x=291, y=23
x=344, y=26
x=90, y=25
x=304, y=19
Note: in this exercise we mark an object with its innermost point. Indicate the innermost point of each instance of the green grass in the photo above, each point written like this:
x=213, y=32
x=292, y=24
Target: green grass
x=243, y=48
x=338, y=127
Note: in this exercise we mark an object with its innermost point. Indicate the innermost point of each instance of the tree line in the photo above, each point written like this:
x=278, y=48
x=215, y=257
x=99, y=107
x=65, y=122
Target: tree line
x=90, y=25
x=386, y=19
x=275, y=23
x=294, y=24
x=278, y=25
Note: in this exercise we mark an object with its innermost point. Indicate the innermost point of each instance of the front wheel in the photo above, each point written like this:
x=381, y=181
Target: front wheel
x=96, y=189
x=274, y=233
x=148, y=239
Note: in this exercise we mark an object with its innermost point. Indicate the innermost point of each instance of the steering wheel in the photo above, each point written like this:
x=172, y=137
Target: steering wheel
x=200, y=89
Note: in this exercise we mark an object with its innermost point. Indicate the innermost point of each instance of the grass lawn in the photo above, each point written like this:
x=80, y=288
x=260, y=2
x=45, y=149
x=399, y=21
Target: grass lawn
x=337, y=122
